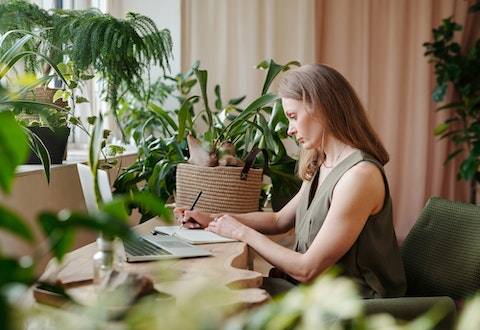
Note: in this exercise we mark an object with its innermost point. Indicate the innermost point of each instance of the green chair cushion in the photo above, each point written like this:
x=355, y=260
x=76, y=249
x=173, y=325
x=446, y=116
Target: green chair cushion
x=442, y=251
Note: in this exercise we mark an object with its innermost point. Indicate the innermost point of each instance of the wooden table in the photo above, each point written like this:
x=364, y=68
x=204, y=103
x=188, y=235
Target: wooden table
x=227, y=267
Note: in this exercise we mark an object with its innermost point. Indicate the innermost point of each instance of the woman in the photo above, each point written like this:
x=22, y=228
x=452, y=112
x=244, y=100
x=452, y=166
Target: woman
x=343, y=212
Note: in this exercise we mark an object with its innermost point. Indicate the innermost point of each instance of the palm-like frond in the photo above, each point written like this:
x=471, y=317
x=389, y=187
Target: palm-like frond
x=121, y=50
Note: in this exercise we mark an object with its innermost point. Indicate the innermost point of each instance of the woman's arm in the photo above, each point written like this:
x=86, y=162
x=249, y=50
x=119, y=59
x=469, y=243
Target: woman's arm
x=268, y=223
x=358, y=194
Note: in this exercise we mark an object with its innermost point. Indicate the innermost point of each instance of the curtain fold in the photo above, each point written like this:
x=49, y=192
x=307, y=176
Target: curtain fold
x=231, y=37
x=377, y=45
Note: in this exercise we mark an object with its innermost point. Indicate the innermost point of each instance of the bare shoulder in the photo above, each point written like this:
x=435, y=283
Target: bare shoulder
x=364, y=184
x=364, y=172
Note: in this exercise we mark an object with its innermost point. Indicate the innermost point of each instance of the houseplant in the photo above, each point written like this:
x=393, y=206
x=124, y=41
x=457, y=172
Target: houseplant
x=119, y=51
x=59, y=229
x=460, y=68
x=261, y=124
x=21, y=89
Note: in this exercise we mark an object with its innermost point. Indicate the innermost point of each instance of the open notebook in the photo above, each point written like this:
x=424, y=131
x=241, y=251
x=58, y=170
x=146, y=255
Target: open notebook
x=193, y=236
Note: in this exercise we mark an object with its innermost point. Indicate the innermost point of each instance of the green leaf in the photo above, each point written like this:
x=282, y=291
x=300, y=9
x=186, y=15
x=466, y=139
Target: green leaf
x=13, y=149
x=59, y=228
x=66, y=95
x=91, y=120
x=218, y=99
x=164, y=116
x=440, y=129
x=74, y=120
x=114, y=150
x=439, y=92
x=469, y=168
x=80, y=99
x=13, y=223
x=37, y=147
x=58, y=95
x=116, y=208
x=285, y=184
x=452, y=105
x=106, y=133
x=63, y=243
x=273, y=70
x=453, y=155
x=237, y=101
x=86, y=76
x=287, y=66
x=256, y=105
x=96, y=140
x=202, y=77
x=152, y=204
x=276, y=115
x=263, y=65
x=253, y=108
x=16, y=271
x=183, y=115
x=14, y=49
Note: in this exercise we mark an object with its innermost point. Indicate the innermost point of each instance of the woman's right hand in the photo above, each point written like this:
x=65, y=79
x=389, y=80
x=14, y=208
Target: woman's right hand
x=192, y=219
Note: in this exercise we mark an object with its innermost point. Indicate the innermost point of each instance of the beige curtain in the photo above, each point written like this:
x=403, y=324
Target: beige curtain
x=231, y=37
x=377, y=45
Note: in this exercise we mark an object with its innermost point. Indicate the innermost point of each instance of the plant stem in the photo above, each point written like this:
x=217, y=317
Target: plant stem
x=473, y=191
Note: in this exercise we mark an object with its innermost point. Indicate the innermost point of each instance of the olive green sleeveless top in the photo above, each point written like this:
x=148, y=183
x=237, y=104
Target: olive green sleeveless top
x=374, y=260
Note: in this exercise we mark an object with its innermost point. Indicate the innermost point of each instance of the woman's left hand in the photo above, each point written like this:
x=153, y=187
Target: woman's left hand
x=227, y=226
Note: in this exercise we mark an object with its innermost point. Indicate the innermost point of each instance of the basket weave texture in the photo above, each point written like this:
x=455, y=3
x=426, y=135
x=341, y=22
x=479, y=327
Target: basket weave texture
x=222, y=189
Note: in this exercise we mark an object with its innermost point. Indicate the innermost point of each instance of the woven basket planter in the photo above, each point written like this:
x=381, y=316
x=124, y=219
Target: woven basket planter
x=223, y=190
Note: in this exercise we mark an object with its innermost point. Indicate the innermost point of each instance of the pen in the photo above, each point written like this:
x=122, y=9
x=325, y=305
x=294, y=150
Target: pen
x=192, y=207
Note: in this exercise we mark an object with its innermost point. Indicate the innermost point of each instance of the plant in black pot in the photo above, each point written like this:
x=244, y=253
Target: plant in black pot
x=28, y=95
x=49, y=124
x=120, y=51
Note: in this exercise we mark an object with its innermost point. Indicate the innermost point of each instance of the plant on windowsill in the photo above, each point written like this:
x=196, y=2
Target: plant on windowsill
x=23, y=93
x=120, y=51
x=161, y=135
x=461, y=69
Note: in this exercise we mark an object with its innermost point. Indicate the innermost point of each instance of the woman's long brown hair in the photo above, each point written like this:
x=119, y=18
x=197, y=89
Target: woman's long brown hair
x=328, y=96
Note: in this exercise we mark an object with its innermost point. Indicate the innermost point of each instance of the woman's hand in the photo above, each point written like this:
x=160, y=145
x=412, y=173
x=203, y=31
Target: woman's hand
x=228, y=226
x=192, y=219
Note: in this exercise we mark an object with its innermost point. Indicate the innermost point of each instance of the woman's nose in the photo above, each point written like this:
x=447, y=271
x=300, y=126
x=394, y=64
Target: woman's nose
x=291, y=130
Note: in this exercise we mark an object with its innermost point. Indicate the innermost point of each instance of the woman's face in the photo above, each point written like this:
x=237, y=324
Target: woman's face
x=306, y=128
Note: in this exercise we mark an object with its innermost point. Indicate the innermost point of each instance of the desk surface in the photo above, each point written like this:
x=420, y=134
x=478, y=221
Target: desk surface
x=227, y=267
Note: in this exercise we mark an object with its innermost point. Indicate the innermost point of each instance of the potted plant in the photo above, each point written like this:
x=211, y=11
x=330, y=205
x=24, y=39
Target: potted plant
x=22, y=92
x=18, y=273
x=261, y=124
x=49, y=125
x=460, y=68
x=119, y=51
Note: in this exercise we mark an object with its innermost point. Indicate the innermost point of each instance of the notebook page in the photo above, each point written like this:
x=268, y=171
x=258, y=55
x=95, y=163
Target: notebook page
x=193, y=236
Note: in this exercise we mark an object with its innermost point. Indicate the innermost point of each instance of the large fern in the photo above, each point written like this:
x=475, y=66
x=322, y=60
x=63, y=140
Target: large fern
x=21, y=15
x=121, y=50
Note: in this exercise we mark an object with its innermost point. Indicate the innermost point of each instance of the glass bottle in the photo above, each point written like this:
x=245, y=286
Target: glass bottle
x=103, y=259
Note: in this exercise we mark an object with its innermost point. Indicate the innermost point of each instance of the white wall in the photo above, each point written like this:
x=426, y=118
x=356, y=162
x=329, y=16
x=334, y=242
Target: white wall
x=165, y=13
